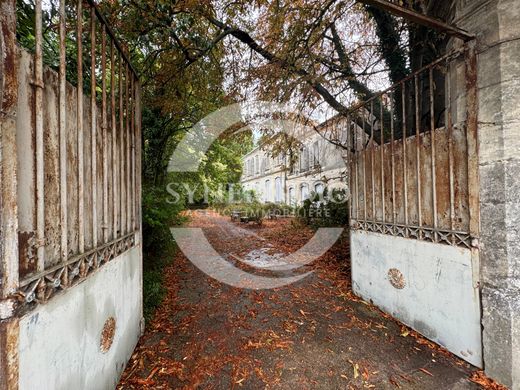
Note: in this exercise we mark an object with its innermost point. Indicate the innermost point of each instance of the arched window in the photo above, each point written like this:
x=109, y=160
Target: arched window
x=316, y=153
x=278, y=189
x=292, y=196
x=318, y=190
x=267, y=191
x=304, y=159
x=304, y=192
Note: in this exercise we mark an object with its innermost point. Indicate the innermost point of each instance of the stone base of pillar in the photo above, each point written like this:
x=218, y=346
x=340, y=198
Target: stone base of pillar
x=501, y=335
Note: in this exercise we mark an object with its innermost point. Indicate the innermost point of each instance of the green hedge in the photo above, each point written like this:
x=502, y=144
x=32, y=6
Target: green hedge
x=325, y=211
x=158, y=244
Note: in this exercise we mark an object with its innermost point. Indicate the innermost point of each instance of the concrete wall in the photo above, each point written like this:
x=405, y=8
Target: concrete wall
x=497, y=26
x=59, y=342
x=435, y=291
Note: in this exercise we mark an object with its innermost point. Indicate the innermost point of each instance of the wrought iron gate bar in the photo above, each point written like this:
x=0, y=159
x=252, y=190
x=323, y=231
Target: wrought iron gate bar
x=449, y=237
x=98, y=201
x=419, y=18
x=79, y=117
x=93, y=127
x=112, y=35
x=453, y=54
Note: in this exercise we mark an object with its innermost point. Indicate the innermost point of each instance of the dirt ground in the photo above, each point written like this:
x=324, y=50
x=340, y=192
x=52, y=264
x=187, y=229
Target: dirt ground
x=313, y=334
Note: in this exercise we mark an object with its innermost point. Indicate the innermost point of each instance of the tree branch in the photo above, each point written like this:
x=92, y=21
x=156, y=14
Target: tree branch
x=248, y=40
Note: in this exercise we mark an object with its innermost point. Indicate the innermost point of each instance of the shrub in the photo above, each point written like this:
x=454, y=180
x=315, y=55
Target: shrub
x=158, y=217
x=158, y=244
x=153, y=291
x=325, y=211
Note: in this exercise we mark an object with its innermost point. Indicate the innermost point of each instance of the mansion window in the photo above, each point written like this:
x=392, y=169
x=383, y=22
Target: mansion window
x=318, y=189
x=278, y=189
x=304, y=192
x=267, y=192
x=304, y=159
x=292, y=197
x=316, y=153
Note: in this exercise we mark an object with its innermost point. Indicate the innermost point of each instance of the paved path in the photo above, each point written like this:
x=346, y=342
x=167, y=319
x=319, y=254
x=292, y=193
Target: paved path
x=314, y=334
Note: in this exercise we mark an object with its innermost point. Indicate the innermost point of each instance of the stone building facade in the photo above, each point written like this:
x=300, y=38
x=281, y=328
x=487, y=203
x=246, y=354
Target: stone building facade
x=319, y=165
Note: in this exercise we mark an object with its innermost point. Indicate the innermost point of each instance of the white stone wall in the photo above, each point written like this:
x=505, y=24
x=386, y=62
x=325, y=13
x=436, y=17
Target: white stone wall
x=497, y=26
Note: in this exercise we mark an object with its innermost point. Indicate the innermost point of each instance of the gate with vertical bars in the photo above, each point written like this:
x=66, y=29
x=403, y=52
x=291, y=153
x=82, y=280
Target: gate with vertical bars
x=70, y=200
x=415, y=200
x=413, y=163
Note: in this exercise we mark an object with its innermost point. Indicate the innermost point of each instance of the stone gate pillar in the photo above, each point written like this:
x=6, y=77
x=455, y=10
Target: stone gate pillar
x=497, y=25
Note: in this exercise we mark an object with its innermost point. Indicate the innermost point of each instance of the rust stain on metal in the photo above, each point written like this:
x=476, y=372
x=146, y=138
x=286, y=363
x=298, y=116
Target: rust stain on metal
x=427, y=178
x=8, y=68
x=9, y=331
x=470, y=57
x=8, y=161
x=59, y=152
x=396, y=278
x=420, y=18
x=107, y=334
x=27, y=252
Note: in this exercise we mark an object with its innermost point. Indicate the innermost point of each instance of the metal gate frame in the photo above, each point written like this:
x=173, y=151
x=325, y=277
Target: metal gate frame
x=365, y=141
x=20, y=293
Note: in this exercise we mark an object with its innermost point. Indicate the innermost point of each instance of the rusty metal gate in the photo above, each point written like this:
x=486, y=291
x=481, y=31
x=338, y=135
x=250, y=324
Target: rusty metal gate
x=415, y=201
x=70, y=158
x=77, y=158
x=414, y=169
